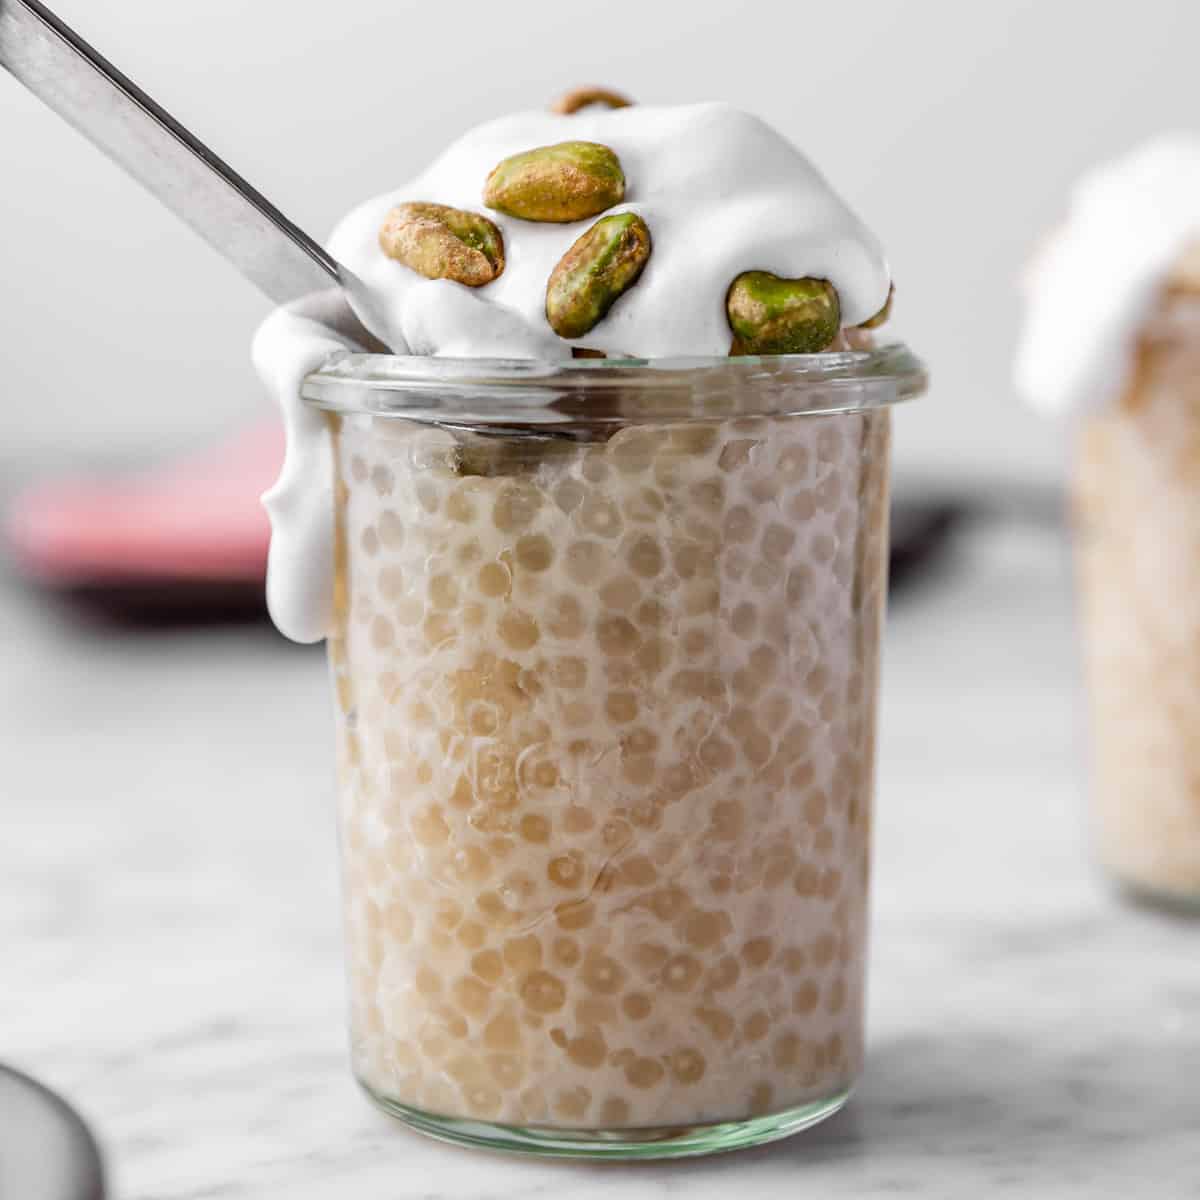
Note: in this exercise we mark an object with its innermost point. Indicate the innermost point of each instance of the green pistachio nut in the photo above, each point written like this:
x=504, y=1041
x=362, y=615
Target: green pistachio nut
x=770, y=315
x=881, y=317
x=440, y=242
x=598, y=269
x=567, y=182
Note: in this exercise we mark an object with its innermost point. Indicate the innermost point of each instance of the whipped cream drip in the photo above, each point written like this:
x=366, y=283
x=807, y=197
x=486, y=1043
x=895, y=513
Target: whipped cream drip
x=721, y=192
x=1096, y=283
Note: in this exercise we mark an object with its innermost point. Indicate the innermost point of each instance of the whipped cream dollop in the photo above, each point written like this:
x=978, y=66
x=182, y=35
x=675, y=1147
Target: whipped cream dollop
x=722, y=193
x=1096, y=282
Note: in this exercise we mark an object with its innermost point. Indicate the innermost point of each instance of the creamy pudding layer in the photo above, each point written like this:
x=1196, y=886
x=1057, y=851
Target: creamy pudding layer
x=606, y=747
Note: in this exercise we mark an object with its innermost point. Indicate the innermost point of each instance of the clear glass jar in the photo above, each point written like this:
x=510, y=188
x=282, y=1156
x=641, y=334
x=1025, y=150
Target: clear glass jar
x=1137, y=526
x=605, y=658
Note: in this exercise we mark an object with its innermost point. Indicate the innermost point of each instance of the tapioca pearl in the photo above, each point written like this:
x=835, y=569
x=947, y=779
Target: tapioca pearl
x=488, y=965
x=695, y=439
x=534, y=552
x=461, y=506
x=780, y=865
x=726, y=820
x=708, y=495
x=800, y=506
x=692, y=683
x=835, y=999
x=614, y=1112
x=640, y=741
x=653, y=657
x=569, y=672
x=845, y=524
x=644, y=556
x=515, y=507
x=716, y=754
x=382, y=480
x=793, y=960
x=616, y=635
x=668, y=903
x=829, y=493
x=442, y=590
x=680, y=973
x=369, y=541
x=507, y=1070
x=543, y=993
x=621, y=707
x=829, y=442
x=644, y=1073
x=756, y=952
x=602, y=974
x=568, y=494
x=792, y=463
x=756, y=1026
x=470, y=935
x=577, y=819
x=593, y=467
x=471, y=995
x=773, y=712
x=823, y=840
x=383, y=636
x=739, y=526
x=428, y=826
x=799, y=586
x=687, y=1065
x=428, y=495
x=494, y=580
x=575, y=915
x=438, y=629
x=588, y=1050
x=599, y=516
x=822, y=950
x=834, y=1049
x=743, y=620
x=358, y=468
x=789, y=1051
x=805, y=998
x=736, y=454
x=398, y=923
x=518, y=630
x=777, y=541
x=631, y=451
x=621, y=593
x=427, y=982
x=823, y=547
x=704, y=929
x=571, y=1104
x=567, y=870
x=586, y=562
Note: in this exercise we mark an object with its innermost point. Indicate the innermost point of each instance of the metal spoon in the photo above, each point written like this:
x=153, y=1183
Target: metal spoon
x=112, y=112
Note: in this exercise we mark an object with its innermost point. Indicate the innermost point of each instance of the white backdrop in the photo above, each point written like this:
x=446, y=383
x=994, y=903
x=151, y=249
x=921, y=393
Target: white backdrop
x=953, y=128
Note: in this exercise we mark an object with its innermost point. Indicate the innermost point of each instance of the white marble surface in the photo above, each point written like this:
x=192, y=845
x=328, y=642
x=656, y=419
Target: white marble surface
x=168, y=918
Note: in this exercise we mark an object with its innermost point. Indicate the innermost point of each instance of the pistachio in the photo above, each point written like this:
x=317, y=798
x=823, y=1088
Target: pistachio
x=880, y=318
x=597, y=270
x=440, y=242
x=566, y=182
x=770, y=315
x=582, y=97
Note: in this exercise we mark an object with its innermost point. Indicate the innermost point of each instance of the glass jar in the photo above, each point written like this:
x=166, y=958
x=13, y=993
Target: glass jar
x=1137, y=525
x=605, y=659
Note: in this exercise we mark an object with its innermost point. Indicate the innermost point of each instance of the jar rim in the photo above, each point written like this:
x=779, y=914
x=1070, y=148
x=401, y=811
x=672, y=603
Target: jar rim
x=482, y=391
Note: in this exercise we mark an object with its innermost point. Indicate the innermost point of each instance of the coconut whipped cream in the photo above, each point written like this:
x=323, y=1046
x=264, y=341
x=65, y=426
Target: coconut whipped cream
x=721, y=192
x=1096, y=283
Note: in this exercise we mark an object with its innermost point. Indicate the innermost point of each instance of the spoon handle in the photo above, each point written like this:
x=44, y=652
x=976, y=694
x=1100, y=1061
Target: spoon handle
x=112, y=112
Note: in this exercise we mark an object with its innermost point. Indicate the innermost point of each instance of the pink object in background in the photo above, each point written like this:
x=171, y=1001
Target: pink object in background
x=192, y=530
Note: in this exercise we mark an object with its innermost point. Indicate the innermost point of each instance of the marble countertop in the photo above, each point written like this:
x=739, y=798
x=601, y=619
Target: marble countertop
x=169, y=919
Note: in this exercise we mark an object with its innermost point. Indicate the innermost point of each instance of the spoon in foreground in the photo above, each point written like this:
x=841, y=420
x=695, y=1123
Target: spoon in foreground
x=112, y=112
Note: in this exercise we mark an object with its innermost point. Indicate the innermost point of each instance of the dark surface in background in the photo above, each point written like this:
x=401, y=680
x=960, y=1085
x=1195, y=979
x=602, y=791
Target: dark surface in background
x=922, y=536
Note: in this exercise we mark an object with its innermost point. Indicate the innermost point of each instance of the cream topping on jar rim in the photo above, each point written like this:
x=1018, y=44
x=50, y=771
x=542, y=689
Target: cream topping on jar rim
x=722, y=193
x=1130, y=226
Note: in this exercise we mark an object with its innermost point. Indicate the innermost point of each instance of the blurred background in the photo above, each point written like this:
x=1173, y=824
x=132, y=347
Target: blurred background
x=951, y=128
x=167, y=893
